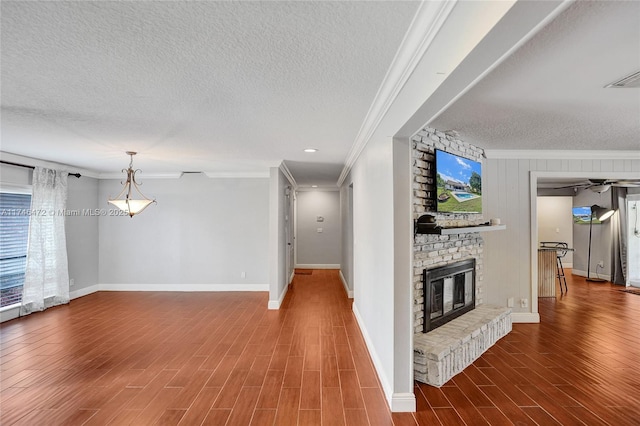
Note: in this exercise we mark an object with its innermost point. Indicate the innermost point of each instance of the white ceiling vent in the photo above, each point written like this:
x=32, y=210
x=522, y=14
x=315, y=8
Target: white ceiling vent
x=632, y=80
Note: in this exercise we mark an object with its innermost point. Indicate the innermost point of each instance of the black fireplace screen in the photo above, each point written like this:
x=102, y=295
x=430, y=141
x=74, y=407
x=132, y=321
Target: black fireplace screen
x=449, y=291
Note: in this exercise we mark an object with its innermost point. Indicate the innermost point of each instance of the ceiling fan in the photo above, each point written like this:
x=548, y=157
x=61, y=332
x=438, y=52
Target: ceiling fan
x=602, y=185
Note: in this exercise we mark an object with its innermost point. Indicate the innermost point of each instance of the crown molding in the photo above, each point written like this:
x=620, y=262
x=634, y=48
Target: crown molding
x=422, y=31
x=318, y=189
x=287, y=173
x=237, y=175
x=176, y=175
x=524, y=154
x=36, y=162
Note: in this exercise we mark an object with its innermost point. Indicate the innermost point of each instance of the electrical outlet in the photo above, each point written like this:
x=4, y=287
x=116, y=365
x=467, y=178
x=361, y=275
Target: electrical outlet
x=524, y=303
x=601, y=264
x=243, y=275
x=510, y=302
x=72, y=282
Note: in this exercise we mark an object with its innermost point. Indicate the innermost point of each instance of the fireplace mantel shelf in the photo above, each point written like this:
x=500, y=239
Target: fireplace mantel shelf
x=463, y=230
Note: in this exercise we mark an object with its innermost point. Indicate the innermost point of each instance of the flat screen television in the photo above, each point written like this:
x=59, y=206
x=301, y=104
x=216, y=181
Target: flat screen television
x=458, y=184
x=582, y=215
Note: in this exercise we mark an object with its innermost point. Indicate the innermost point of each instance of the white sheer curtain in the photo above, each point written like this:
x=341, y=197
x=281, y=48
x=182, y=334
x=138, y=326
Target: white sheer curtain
x=46, y=281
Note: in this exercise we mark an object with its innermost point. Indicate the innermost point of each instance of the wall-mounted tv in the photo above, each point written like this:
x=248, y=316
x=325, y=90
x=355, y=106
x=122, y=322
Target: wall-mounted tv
x=458, y=184
x=582, y=215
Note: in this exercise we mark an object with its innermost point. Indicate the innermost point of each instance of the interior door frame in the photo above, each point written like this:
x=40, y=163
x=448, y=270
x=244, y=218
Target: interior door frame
x=533, y=192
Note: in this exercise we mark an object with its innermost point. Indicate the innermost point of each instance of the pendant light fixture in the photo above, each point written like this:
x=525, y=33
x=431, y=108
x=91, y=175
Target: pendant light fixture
x=124, y=200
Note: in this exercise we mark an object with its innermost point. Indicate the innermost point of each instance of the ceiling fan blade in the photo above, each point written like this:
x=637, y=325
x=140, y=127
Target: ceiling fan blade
x=626, y=183
x=575, y=185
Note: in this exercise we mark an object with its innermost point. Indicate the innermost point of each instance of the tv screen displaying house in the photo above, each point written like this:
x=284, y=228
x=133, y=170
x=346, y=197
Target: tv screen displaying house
x=458, y=184
x=582, y=215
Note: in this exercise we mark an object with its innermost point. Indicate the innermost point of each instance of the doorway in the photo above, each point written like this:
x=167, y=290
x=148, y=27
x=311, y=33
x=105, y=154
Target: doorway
x=289, y=231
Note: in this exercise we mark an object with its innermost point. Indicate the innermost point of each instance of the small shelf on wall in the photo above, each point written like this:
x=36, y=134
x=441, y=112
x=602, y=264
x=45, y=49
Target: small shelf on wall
x=461, y=230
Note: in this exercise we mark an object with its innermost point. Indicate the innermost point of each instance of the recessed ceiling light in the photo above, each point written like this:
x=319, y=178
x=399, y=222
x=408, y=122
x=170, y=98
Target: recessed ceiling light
x=314, y=186
x=310, y=150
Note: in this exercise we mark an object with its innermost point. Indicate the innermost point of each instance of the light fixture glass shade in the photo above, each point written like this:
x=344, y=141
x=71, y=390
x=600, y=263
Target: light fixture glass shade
x=601, y=213
x=124, y=200
x=131, y=207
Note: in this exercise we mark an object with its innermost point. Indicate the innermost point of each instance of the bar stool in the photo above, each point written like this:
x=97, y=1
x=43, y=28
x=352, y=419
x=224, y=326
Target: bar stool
x=561, y=251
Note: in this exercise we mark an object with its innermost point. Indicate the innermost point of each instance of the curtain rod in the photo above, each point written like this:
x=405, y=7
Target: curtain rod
x=32, y=167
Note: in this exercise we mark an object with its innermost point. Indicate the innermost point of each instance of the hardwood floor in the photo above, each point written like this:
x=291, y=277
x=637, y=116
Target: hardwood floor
x=224, y=359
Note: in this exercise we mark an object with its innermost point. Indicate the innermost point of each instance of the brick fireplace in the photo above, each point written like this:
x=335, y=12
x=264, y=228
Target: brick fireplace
x=429, y=250
x=457, y=327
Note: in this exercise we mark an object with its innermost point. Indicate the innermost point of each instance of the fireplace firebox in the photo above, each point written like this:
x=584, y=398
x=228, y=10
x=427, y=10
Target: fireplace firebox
x=449, y=291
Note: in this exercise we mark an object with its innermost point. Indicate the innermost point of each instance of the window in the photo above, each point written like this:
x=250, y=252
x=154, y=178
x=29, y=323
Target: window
x=14, y=232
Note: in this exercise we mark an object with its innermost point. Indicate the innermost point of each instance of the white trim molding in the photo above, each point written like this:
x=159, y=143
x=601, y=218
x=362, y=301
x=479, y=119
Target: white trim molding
x=143, y=175
x=426, y=24
x=346, y=286
x=287, y=173
x=593, y=274
x=183, y=287
x=318, y=189
x=377, y=364
x=318, y=266
x=275, y=304
x=35, y=162
x=525, y=317
x=403, y=403
x=9, y=312
x=237, y=175
x=84, y=291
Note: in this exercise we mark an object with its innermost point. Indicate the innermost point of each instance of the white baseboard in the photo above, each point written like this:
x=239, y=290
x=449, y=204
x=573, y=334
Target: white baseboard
x=525, y=317
x=7, y=314
x=12, y=313
x=346, y=287
x=183, y=287
x=275, y=304
x=83, y=291
x=377, y=364
x=591, y=273
x=318, y=266
x=403, y=403
x=293, y=274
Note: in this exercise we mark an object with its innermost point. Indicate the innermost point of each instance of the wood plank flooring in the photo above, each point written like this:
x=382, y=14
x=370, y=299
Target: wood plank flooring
x=224, y=359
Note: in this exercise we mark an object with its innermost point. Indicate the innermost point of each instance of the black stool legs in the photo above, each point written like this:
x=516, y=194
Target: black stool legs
x=561, y=276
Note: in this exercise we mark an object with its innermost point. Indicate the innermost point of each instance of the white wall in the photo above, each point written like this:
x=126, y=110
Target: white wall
x=318, y=249
x=373, y=258
x=508, y=195
x=202, y=235
x=13, y=175
x=555, y=223
x=82, y=235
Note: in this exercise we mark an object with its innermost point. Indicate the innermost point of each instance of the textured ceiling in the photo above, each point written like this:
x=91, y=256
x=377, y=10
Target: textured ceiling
x=196, y=86
x=550, y=93
x=236, y=87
